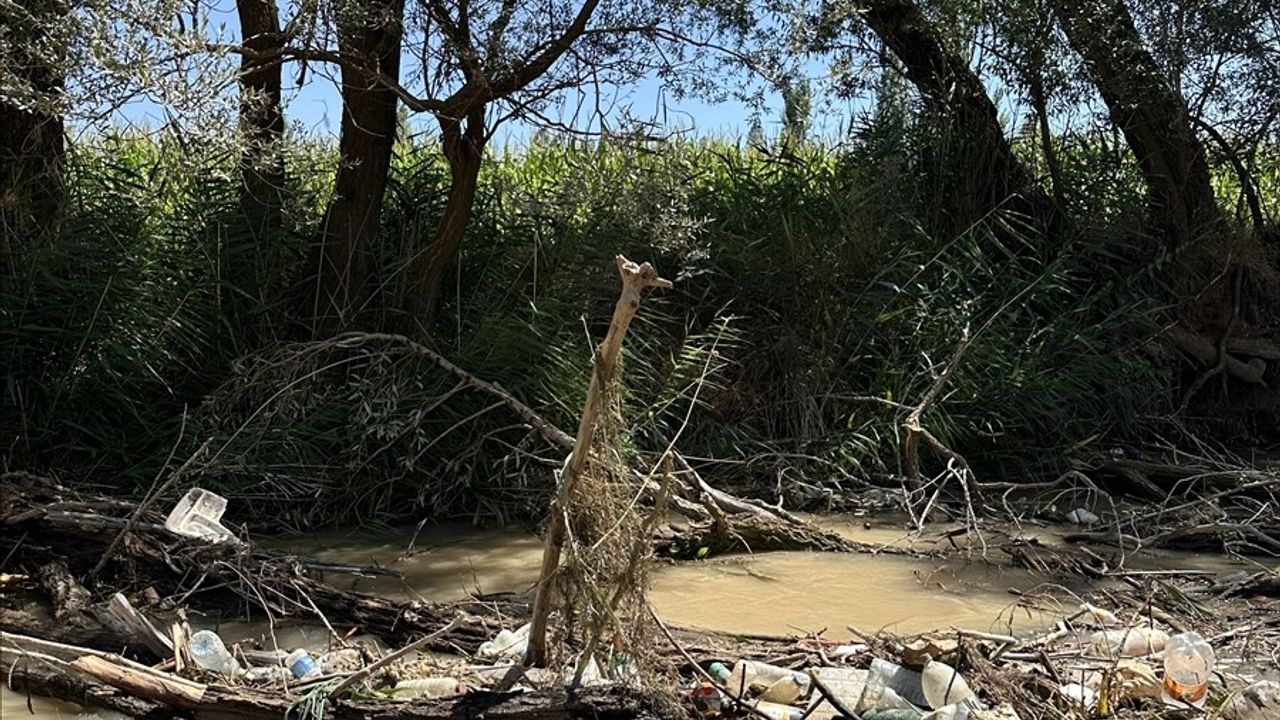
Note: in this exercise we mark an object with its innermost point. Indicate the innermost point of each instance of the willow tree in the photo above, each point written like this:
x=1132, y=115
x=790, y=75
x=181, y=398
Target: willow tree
x=972, y=161
x=32, y=75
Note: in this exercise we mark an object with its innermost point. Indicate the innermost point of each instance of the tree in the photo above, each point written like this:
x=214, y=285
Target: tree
x=369, y=47
x=1151, y=113
x=797, y=103
x=974, y=162
x=261, y=117
x=32, y=77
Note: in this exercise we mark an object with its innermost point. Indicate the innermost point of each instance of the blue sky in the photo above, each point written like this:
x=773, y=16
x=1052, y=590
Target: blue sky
x=315, y=107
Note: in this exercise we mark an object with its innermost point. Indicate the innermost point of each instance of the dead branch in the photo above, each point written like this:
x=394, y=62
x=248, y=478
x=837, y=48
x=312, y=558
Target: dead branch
x=636, y=278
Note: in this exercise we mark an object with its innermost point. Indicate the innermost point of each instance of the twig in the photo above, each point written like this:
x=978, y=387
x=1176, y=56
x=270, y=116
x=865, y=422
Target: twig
x=356, y=677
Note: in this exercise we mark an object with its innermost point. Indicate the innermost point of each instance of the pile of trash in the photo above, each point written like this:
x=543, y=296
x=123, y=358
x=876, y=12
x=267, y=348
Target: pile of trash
x=1091, y=665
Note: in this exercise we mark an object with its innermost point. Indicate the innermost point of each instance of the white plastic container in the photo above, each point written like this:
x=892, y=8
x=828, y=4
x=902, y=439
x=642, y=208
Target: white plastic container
x=207, y=651
x=198, y=514
x=943, y=686
x=428, y=688
x=1188, y=666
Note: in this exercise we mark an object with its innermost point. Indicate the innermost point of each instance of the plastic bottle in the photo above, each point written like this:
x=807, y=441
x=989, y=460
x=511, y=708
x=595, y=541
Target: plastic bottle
x=207, y=650
x=506, y=642
x=942, y=685
x=427, y=688
x=1133, y=642
x=300, y=663
x=773, y=683
x=891, y=686
x=778, y=711
x=1188, y=665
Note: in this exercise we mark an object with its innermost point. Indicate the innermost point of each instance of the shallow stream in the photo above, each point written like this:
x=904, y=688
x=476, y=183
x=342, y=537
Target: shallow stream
x=773, y=593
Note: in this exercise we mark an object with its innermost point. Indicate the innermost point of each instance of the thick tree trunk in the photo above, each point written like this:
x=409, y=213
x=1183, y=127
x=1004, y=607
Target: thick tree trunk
x=31, y=133
x=975, y=165
x=463, y=142
x=261, y=117
x=368, y=135
x=1150, y=112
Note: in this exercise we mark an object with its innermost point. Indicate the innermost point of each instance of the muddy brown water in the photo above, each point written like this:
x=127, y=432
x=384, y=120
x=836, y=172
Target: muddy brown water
x=771, y=593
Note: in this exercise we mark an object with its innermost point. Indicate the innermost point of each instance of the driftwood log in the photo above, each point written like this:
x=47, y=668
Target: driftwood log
x=99, y=683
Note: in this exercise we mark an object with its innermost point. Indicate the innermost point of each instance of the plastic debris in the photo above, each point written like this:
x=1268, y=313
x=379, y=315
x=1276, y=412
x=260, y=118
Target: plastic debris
x=943, y=686
x=207, y=650
x=1259, y=701
x=427, y=688
x=1188, y=665
x=1081, y=516
x=1132, y=642
x=197, y=515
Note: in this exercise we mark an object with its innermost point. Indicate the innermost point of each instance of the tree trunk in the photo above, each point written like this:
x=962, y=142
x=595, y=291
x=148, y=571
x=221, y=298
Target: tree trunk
x=350, y=226
x=261, y=119
x=1150, y=112
x=464, y=148
x=31, y=133
x=974, y=163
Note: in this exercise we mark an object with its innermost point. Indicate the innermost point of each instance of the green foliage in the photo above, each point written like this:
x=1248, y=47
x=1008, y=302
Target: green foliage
x=809, y=304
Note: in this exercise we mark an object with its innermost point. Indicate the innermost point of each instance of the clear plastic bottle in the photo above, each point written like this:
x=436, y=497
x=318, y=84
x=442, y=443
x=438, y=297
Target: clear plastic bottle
x=891, y=686
x=1188, y=666
x=772, y=683
x=207, y=650
x=427, y=688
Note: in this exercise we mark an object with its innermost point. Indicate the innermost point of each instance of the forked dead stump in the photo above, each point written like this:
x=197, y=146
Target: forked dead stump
x=636, y=278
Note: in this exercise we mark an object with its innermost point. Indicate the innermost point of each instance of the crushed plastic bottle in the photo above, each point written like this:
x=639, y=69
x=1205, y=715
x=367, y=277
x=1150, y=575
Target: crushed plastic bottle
x=506, y=644
x=207, y=650
x=1188, y=665
x=198, y=514
x=428, y=688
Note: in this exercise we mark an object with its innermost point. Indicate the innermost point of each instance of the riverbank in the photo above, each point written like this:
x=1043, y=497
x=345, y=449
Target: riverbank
x=897, y=605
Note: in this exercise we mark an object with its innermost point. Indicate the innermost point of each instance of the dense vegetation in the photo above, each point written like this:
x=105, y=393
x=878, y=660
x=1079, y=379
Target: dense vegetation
x=819, y=288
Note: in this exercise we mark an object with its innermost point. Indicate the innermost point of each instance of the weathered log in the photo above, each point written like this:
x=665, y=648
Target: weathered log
x=751, y=532
x=153, y=696
x=41, y=679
